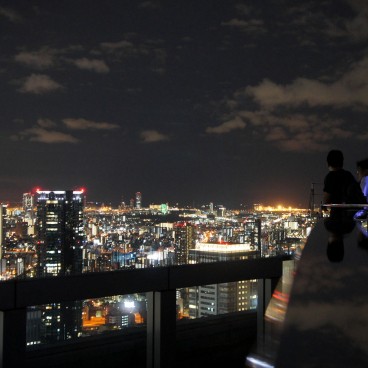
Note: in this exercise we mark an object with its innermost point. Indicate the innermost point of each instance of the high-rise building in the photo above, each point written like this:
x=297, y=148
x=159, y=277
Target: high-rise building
x=223, y=298
x=138, y=200
x=2, y=230
x=29, y=211
x=184, y=233
x=184, y=239
x=28, y=204
x=60, y=232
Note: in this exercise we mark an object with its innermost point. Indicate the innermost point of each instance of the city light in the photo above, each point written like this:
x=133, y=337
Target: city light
x=278, y=208
x=105, y=238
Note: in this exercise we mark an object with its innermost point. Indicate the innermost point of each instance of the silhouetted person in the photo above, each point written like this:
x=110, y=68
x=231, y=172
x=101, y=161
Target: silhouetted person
x=340, y=186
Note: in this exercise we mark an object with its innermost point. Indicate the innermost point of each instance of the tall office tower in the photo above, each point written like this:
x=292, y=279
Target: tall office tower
x=2, y=232
x=211, y=207
x=59, y=225
x=60, y=231
x=185, y=238
x=223, y=298
x=138, y=200
x=29, y=212
x=28, y=205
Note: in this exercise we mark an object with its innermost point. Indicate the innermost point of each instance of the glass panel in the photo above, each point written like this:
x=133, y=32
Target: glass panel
x=60, y=322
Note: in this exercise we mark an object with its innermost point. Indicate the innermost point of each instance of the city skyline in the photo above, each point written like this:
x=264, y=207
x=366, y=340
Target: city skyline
x=230, y=102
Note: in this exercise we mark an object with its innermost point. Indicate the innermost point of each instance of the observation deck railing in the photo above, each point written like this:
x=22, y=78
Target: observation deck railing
x=324, y=311
x=159, y=284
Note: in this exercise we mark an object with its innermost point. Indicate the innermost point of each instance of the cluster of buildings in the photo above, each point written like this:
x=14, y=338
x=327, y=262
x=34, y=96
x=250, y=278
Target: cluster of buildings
x=59, y=233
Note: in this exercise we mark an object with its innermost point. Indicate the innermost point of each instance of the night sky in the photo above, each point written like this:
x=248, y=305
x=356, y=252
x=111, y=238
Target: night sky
x=188, y=102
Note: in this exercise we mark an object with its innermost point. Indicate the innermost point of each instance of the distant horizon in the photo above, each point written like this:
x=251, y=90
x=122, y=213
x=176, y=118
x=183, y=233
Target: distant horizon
x=224, y=198
x=229, y=204
x=275, y=205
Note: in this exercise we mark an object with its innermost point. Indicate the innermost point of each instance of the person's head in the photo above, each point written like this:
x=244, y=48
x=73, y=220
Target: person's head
x=362, y=168
x=335, y=159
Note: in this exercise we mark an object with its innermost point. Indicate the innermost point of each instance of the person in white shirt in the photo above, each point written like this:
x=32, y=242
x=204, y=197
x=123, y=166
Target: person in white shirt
x=362, y=173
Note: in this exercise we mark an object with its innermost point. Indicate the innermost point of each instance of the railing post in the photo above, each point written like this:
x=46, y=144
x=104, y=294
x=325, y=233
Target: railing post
x=12, y=337
x=266, y=288
x=161, y=328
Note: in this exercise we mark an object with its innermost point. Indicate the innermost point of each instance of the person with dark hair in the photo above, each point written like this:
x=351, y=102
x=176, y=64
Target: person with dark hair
x=335, y=159
x=340, y=186
x=362, y=172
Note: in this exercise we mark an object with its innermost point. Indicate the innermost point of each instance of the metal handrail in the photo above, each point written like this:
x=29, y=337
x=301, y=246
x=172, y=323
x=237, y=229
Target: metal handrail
x=160, y=283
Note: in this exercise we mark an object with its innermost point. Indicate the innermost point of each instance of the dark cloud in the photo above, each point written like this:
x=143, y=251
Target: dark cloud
x=10, y=14
x=207, y=86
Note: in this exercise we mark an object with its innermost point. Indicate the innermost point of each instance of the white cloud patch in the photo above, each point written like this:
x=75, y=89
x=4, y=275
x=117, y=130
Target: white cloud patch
x=295, y=131
x=41, y=132
x=349, y=90
x=84, y=124
x=150, y=136
x=39, y=84
x=227, y=126
x=48, y=131
x=38, y=59
x=98, y=66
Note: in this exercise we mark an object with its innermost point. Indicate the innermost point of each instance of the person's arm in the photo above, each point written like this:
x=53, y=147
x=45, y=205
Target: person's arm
x=364, y=185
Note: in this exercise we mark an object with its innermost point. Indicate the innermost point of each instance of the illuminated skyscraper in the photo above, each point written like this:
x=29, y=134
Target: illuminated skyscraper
x=184, y=240
x=28, y=205
x=60, y=231
x=2, y=230
x=59, y=226
x=138, y=200
x=206, y=300
x=29, y=211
